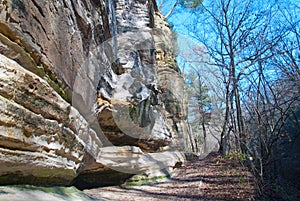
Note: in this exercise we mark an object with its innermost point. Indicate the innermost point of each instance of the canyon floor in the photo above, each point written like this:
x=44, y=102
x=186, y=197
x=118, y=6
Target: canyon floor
x=211, y=178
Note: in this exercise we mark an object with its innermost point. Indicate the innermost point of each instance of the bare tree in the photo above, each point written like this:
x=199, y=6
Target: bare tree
x=256, y=47
x=237, y=35
x=269, y=105
x=271, y=101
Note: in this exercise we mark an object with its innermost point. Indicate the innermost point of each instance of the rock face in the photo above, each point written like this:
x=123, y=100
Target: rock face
x=90, y=92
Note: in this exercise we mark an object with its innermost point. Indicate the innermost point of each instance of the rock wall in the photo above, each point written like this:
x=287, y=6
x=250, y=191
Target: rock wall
x=90, y=92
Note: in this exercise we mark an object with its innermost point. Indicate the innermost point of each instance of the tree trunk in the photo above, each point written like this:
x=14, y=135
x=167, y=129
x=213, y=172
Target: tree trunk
x=240, y=123
x=204, y=134
x=223, y=144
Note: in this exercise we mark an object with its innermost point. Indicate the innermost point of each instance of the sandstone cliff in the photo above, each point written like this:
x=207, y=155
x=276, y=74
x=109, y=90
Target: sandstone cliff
x=90, y=92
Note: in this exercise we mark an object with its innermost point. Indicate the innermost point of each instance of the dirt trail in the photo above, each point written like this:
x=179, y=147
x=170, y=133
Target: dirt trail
x=213, y=178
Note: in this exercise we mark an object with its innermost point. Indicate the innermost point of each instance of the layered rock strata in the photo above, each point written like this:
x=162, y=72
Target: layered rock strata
x=90, y=92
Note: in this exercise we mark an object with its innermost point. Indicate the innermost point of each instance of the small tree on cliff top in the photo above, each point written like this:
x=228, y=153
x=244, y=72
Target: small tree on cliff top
x=185, y=3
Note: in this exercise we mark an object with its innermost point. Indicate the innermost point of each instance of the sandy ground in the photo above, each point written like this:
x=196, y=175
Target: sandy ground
x=212, y=178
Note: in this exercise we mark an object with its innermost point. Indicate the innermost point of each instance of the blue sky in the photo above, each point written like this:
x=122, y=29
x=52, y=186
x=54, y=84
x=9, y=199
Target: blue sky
x=184, y=19
x=181, y=17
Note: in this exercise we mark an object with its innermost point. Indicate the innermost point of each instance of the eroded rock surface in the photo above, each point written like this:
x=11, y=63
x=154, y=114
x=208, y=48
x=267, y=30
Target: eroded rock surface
x=90, y=92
